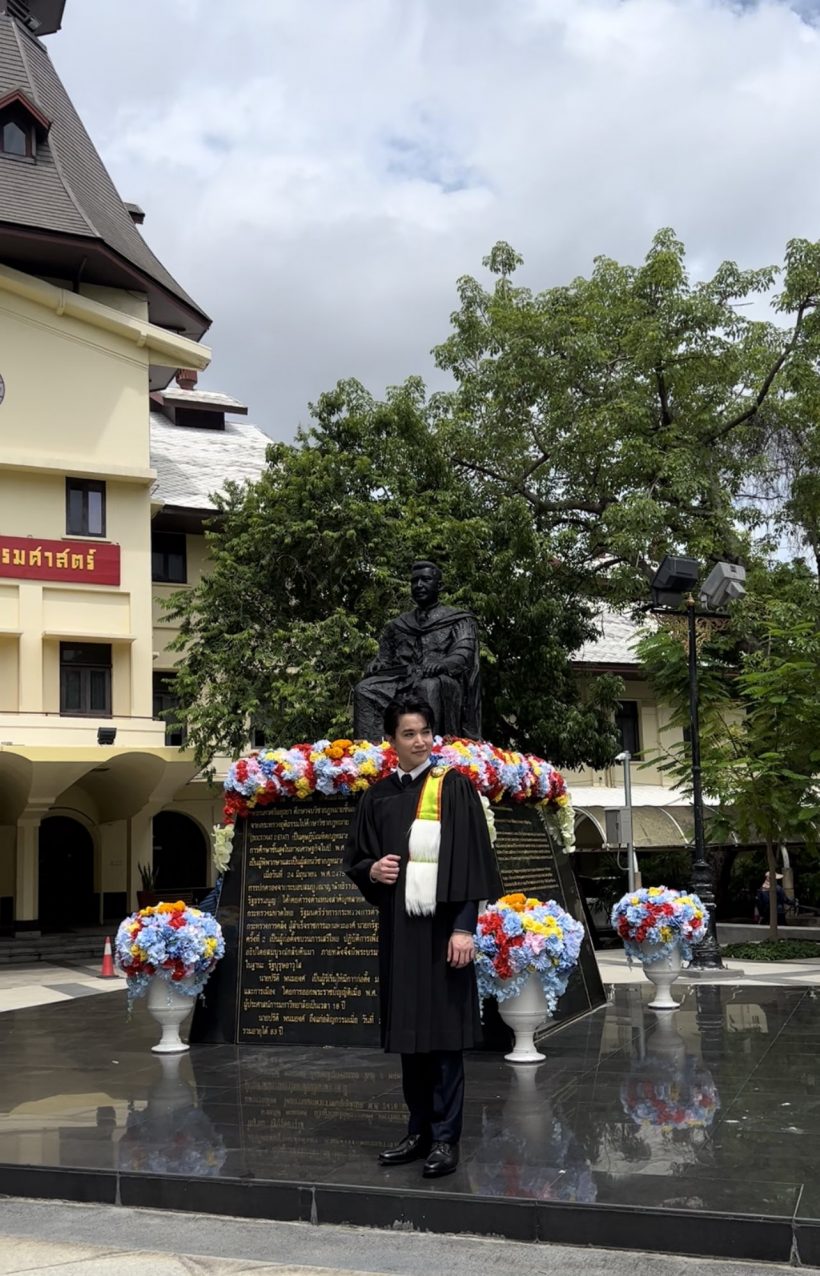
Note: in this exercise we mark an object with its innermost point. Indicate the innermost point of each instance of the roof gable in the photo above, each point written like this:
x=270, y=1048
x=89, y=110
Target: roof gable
x=18, y=98
x=64, y=213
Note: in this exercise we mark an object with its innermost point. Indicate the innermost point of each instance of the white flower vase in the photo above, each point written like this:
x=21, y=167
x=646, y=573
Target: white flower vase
x=525, y=1013
x=170, y=1007
x=662, y=972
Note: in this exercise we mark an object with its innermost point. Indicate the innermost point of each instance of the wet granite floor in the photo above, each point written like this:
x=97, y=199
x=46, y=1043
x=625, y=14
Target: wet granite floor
x=697, y=1132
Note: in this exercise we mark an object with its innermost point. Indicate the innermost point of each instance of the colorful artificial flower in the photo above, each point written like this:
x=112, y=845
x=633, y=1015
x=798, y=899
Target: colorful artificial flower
x=173, y=942
x=662, y=1096
x=656, y=915
x=345, y=767
x=516, y=936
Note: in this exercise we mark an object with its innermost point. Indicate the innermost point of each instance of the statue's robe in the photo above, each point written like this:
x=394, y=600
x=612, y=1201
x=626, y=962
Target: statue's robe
x=443, y=635
x=425, y=1003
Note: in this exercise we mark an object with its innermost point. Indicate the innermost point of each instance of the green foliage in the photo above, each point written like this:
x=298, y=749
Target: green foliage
x=589, y=430
x=309, y=563
x=774, y=950
x=632, y=411
x=759, y=712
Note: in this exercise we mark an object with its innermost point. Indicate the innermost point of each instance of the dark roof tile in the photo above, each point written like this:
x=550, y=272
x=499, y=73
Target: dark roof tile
x=68, y=189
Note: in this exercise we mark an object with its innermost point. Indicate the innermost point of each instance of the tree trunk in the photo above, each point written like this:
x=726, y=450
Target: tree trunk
x=771, y=863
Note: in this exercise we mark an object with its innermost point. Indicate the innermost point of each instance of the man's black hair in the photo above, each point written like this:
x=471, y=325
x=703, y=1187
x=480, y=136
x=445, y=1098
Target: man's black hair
x=424, y=565
x=406, y=704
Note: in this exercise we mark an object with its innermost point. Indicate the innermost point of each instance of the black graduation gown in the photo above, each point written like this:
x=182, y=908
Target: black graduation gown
x=425, y=1003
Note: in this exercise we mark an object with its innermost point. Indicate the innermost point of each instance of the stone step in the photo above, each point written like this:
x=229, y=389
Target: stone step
x=77, y=946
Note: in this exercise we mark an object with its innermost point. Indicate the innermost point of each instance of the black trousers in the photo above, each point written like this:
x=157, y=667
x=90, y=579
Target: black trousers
x=433, y=1086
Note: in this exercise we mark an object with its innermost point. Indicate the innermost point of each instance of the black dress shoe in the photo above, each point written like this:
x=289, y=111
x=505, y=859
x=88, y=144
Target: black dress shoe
x=411, y=1148
x=443, y=1159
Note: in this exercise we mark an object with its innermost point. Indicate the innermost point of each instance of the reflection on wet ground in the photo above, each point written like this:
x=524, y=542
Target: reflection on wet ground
x=715, y=1108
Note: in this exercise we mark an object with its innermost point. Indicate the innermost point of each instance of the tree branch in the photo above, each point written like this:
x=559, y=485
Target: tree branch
x=543, y=507
x=666, y=415
x=768, y=380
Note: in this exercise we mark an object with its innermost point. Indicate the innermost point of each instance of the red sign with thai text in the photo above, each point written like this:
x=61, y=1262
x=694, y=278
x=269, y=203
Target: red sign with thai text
x=32, y=559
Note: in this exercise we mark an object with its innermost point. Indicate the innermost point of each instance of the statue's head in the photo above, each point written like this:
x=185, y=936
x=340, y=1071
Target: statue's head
x=425, y=583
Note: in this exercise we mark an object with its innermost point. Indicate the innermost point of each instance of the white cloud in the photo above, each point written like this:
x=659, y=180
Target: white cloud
x=318, y=173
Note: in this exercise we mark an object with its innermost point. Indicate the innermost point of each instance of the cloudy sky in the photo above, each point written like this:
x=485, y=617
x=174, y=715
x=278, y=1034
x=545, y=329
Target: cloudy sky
x=318, y=173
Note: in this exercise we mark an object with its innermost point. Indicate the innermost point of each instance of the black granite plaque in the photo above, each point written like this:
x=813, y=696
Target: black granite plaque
x=302, y=946
x=532, y=864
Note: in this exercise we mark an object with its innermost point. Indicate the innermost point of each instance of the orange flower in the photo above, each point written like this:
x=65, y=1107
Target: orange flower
x=517, y=902
x=343, y=744
x=335, y=752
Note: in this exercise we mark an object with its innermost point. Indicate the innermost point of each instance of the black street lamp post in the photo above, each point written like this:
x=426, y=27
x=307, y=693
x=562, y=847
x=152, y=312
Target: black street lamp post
x=706, y=954
x=675, y=578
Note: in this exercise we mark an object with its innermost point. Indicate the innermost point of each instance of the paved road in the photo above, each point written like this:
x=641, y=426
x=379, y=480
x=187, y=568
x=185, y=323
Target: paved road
x=54, y=1239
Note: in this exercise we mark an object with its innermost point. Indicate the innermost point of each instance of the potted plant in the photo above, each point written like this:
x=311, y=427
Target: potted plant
x=526, y=951
x=659, y=927
x=168, y=951
x=148, y=895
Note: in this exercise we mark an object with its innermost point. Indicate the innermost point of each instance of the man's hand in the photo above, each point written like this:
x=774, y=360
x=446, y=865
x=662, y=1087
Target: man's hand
x=431, y=669
x=386, y=870
x=460, y=950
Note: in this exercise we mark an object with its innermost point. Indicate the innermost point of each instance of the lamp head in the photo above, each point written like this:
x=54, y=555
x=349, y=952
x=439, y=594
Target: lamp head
x=725, y=583
x=675, y=577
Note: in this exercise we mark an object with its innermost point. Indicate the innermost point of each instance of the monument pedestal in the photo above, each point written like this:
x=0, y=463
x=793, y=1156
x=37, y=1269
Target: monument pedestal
x=301, y=959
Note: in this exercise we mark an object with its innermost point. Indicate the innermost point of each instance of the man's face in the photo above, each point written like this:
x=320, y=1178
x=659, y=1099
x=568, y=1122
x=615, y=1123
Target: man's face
x=413, y=741
x=424, y=587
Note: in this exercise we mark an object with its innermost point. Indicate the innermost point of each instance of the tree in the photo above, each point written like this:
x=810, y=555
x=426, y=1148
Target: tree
x=633, y=411
x=309, y=563
x=589, y=430
x=759, y=713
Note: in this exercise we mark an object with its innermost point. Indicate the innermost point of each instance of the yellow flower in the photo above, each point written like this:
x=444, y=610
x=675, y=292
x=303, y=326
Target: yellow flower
x=562, y=800
x=547, y=927
x=666, y=934
x=533, y=903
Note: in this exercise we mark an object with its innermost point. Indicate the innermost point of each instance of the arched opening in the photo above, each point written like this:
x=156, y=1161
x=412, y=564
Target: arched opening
x=66, y=870
x=180, y=854
x=597, y=872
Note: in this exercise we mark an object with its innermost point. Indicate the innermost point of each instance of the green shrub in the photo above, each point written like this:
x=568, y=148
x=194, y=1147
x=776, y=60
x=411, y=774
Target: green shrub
x=773, y=950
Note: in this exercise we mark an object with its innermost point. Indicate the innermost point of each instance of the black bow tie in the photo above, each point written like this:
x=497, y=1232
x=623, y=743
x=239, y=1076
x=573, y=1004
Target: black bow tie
x=406, y=781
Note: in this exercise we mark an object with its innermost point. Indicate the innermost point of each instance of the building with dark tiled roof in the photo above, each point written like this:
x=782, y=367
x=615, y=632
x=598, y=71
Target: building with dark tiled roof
x=106, y=477
x=61, y=216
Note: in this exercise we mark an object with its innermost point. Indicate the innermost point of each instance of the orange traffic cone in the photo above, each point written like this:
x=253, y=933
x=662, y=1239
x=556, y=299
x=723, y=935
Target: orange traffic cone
x=107, y=971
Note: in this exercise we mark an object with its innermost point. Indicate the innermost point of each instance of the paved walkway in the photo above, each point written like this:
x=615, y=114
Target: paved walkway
x=41, y=984
x=745, y=974
x=53, y=1239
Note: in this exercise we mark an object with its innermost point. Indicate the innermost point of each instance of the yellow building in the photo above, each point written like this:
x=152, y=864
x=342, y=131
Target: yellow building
x=662, y=814
x=92, y=328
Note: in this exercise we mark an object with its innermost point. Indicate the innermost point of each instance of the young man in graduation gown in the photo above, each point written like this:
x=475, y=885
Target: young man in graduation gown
x=420, y=851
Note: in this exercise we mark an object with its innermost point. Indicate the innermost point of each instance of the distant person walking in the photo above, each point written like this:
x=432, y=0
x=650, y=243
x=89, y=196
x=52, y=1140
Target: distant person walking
x=762, y=902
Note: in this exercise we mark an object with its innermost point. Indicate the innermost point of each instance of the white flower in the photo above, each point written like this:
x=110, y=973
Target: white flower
x=221, y=846
x=489, y=815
